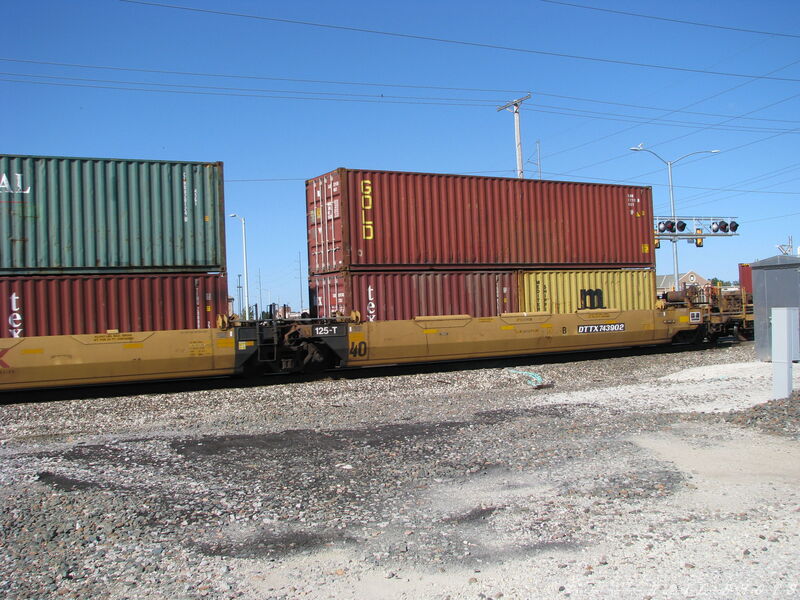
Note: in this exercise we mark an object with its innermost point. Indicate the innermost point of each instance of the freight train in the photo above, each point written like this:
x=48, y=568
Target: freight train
x=292, y=346
x=521, y=263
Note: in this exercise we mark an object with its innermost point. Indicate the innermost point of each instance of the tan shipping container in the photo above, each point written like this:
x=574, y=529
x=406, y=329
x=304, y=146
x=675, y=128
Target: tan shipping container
x=563, y=292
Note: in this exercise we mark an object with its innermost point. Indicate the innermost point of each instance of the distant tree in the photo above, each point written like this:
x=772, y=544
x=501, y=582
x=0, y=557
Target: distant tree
x=716, y=281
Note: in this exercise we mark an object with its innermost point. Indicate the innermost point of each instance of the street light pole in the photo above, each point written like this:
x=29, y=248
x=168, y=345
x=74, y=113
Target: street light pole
x=244, y=258
x=669, y=163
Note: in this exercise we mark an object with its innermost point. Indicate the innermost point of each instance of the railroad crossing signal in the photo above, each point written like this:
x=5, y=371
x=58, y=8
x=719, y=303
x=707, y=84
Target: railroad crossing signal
x=670, y=228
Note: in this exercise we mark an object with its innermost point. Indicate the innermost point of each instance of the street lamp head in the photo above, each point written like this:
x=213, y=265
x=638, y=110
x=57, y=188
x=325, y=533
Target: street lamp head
x=713, y=151
x=233, y=215
x=637, y=148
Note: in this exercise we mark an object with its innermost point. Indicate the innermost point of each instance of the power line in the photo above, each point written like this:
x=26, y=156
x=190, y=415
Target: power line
x=771, y=218
x=661, y=108
x=681, y=21
x=645, y=120
x=257, y=77
x=244, y=95
x=488, y=102
x=696, y=102
x=122, y=85
x=358, y=83
x=459, y=42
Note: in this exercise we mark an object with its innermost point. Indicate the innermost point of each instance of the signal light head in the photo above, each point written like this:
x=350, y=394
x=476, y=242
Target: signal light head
x=669, y=226
x=715, y=227
x=680, y=225
x=734, y=226
x=661, y=227
x=723, y=226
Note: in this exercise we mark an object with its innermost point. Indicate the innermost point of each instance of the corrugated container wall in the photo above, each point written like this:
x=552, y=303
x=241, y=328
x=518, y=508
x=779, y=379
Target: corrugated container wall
x=382, y=219
x=388, y=296
x=746, y=277
x=78, y=304
x=94, y=215
x=563, y=292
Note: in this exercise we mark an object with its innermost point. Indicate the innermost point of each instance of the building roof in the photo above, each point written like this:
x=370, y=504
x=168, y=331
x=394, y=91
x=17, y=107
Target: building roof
x=665, y=281
x=782, y=260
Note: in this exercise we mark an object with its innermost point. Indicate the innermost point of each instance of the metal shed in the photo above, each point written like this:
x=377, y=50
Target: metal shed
x=776, y=284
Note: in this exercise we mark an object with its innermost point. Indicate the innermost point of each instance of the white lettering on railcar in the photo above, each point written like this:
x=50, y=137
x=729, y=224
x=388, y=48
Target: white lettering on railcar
x=372, y=307
x=185, y=201
x=605, y=328
x=15, y=317
x=5, y=184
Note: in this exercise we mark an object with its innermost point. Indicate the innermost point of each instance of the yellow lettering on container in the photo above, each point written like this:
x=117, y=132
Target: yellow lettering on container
x=367, y=226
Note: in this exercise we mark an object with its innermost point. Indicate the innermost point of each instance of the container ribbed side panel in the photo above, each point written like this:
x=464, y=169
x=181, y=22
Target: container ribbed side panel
x=82, y=215
x=746, y=277
x=388, y=296
x=79, y=304
x=392, y=220
x=562, y=292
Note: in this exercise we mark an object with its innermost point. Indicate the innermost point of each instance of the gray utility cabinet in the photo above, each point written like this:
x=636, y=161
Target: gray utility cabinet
x=776, y=284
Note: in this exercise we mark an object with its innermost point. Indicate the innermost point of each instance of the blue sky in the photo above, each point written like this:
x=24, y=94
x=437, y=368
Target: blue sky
x=280, y=96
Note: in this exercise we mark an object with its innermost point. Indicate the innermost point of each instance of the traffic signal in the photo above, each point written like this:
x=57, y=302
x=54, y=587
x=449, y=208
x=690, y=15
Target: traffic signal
x=698, y=241
x=657, y=244
x=680, y=225
x=723, y=226
x=734, y=226
x=669, y=226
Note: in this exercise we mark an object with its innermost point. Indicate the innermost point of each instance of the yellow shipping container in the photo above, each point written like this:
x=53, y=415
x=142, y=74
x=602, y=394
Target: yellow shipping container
x=563, y=292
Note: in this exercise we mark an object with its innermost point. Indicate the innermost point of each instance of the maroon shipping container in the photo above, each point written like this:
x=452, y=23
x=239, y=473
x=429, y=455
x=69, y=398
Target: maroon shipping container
x=388, y=296
x=746, y=277
x=390, y=220
x=76, y=304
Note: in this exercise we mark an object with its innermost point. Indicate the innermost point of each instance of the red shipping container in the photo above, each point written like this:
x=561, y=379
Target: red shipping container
x=70, y=304
x=389, y=296
x=391, y=220
x=746, y=277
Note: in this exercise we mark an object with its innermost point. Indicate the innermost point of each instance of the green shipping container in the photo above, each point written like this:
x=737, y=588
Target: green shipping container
x=61, y=215
x=565, y=292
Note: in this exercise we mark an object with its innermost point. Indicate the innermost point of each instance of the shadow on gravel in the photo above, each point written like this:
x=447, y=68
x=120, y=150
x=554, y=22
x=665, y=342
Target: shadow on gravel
x=634, y=485
x=63, y=483
x=267, y=543
x=476, y=515
x=382, y=435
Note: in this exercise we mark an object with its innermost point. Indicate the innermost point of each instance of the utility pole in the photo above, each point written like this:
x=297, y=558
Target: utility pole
x=300, y=271
x=244, y=262
x=239, y=291
x=513, y=106
x=260, y=297
x=539, y=158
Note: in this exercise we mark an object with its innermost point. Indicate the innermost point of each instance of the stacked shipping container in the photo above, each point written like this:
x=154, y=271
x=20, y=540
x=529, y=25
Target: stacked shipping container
x=90, y=245
x=396, y=245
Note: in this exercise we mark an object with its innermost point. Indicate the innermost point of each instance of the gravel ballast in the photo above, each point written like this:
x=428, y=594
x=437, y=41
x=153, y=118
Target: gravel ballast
x=637, y=474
